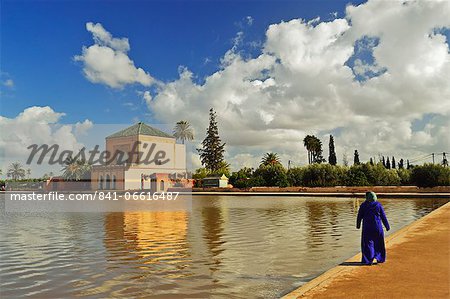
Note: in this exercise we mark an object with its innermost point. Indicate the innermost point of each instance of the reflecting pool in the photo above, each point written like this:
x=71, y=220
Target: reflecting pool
x=231, y=246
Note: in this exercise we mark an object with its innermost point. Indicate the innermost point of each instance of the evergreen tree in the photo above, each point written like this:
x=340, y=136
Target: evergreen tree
x=332, y=154
x=388, y=164
x=407, y=164
x=211, y=155
x=383, y=161
x=400, y=164
x=393, y=162
x=371, y=161
x=356, y=158
x=345, y=159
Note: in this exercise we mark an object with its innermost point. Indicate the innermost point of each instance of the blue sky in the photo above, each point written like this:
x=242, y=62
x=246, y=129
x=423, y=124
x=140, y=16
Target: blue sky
x=40, y=38
x=373, y=74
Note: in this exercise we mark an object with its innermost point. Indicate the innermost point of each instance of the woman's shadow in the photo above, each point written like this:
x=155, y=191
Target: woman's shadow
x=354, y=264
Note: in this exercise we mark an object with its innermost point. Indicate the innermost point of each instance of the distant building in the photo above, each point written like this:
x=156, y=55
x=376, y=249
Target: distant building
x=152, y=158
x=215, y=182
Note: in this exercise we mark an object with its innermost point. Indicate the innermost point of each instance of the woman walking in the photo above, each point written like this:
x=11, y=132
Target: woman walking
x=371, y=213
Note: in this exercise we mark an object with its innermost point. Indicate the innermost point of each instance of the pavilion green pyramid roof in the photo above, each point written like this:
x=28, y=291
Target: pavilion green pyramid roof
x=140, y=129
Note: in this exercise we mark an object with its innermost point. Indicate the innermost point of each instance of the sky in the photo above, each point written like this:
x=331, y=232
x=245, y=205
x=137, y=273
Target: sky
x=374, y=74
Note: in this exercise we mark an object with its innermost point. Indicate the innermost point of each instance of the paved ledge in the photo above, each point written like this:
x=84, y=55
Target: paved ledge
x=417, y=266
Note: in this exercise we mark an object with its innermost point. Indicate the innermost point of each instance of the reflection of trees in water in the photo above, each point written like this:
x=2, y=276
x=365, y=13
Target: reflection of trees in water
x=316, y=223
x=333, y=220
x=425, y=205
x=326, y=220
x=212, y=230
x=356, y=203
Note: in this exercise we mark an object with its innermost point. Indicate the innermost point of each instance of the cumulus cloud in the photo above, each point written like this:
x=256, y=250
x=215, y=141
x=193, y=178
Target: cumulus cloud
x=366, y=78
x=147, y=96
x=302, y=83
x=37, y=125
x=9, y=83
x=81, y=128
x=249, y=20
x=104, y=38
x=107, y=62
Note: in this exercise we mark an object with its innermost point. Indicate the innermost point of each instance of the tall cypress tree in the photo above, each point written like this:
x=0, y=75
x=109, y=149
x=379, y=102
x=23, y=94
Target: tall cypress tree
x=332, y=154
x=383, y=161
x=211, y=155
x=371, y=161
x=393, y=162
x=388, y=164
x=400, y=164
x=356, y=158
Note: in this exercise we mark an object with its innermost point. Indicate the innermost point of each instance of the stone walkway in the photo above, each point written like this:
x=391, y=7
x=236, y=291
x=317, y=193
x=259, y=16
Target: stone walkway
x=417, y=266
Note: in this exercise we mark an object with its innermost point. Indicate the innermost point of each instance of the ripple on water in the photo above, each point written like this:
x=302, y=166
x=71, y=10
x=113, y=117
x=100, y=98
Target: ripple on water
x=237, y=247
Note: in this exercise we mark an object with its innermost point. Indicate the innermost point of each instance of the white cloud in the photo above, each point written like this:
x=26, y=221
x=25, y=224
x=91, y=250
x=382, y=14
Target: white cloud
x=9, y=83
x=37, y=125
x=81, y=128
x=364, y=69
x=300, y=84
x=104, y=38
x=107, y=61
x=249, y=20
x=147, y=96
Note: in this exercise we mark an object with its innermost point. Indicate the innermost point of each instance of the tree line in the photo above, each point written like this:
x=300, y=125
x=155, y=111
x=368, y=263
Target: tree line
x=386, y=172
x=271, y=172
x=327, y=175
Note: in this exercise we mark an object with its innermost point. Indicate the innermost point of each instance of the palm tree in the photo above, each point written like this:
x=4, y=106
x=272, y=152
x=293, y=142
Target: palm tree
x=183, y=131
x=314, y=147
x=75, y=169
x=308, y=142
x=317, y=150
x=16, y=171
x=270, y=159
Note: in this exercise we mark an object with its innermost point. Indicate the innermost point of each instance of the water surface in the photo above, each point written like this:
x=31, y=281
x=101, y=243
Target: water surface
x=241, y=247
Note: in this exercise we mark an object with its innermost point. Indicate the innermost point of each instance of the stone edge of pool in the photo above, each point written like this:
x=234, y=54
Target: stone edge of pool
x=326, y=194
x=328, y=276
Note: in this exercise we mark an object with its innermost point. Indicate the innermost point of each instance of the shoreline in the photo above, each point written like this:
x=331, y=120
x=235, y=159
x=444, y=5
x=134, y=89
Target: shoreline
x=347, y=276
x=339, y=192
x=324, y=194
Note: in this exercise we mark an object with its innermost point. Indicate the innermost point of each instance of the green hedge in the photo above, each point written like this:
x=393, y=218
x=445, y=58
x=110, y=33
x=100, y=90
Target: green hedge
x=430, y=175
x=326, y=175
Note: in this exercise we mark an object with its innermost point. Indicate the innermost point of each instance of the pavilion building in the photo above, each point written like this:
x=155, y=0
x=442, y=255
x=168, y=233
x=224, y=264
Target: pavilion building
x=146, y=158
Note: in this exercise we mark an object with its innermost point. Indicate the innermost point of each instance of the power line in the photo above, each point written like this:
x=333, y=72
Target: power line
x=420, y=158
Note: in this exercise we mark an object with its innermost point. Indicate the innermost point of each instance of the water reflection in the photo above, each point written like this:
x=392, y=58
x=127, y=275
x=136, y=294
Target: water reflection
x=242, y=247
x=149, y=236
